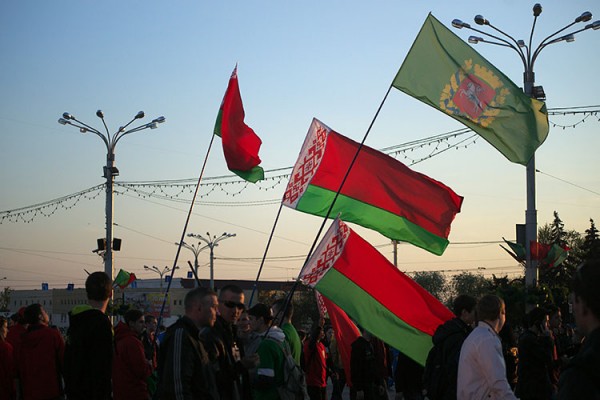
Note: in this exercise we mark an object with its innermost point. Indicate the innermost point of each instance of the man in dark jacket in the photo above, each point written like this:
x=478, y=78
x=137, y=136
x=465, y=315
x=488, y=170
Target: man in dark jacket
x=223, y=346
x=450, y=337
x=89, y=347
x=535, y=358
x=581, y=377
x=183, y=367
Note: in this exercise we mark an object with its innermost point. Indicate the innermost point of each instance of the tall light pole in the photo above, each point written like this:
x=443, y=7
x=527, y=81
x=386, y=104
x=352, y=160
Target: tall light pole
x=211, y=243
x=110, y=171
x=528, y=58
x=196, y=249
x=159, y=271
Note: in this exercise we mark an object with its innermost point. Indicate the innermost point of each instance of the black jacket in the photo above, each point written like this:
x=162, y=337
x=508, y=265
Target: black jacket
x=183, y=368
x=451, y=335
x=224, y=353
x=88, y=355
x=535, y=366
x=581, y=377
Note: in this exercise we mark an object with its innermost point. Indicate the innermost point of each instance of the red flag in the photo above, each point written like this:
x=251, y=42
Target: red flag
x=345, y=333
x=539, y=251
x=240, y=143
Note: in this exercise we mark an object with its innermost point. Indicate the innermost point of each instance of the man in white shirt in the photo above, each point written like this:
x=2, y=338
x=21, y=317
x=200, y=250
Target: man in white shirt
x=481, y=368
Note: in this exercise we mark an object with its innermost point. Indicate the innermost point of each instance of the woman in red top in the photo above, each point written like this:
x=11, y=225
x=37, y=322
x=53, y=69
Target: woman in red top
x=131, y=369
x=315, y=365
x=40, y=359
x=7, y=364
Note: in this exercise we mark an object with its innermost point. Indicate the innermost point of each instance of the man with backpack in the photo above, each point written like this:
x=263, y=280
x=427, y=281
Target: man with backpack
x=441, y=367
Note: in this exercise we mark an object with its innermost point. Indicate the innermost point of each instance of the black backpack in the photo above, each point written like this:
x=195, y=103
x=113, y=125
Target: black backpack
x=433, y=377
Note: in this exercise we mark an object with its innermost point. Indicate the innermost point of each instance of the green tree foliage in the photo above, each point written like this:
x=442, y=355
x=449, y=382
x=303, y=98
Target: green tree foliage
x=514, y=294
x=591, y=243
x=5, y=298
x=475, y=285
x=304, y=301
x=434, y=282
x=554, y=281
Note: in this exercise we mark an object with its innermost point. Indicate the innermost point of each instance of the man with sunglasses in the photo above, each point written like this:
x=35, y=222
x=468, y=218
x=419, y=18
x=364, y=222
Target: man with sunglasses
x=224, y=349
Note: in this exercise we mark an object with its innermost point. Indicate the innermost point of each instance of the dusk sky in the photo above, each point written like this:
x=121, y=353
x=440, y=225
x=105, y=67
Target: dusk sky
x=333, y=60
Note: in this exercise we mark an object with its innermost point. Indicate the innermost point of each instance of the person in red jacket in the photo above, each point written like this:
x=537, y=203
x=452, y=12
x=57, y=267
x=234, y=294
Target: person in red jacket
x=315, y=364
x=7, y=364
x=40, y=359
x=17, y=330
x=131, y=369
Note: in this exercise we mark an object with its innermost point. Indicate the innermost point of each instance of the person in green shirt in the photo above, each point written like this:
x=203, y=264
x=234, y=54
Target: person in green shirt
x=283, y=319
x=269, y=373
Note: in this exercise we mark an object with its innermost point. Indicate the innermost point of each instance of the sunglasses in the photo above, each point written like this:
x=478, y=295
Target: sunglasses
x=233, y=304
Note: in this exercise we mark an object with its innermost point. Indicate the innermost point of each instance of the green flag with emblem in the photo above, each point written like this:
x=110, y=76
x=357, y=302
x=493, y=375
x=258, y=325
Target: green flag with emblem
x=445, y=72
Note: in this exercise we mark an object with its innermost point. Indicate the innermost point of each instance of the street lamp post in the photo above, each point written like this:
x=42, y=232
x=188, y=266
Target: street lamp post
x=159, y=271
x=211, y=243
x=528, y=58
x=196, y=249
x=110, y=171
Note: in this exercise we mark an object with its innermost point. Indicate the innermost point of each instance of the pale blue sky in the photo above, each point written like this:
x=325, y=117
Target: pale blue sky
x=333, y=60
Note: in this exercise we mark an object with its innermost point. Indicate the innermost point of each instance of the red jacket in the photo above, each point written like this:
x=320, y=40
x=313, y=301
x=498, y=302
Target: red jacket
x=14, y=335
x=315, y=364
x=7, y=371
x=130, y=368
x=40, y=363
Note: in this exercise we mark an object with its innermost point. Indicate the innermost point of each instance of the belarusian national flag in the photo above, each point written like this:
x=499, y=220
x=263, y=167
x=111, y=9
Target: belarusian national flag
x=123, y=279
x=443, y=71
x=375, y=294
x=380, y=192
x=345, y=332
x=556, y=255
x=518, y=250
x=240, y=143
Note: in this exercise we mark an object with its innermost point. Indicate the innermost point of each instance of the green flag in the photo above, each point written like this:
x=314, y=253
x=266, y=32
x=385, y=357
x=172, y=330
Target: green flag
x=443, y=71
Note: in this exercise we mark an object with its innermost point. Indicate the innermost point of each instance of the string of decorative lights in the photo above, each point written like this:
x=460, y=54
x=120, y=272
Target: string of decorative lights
x=231, y=185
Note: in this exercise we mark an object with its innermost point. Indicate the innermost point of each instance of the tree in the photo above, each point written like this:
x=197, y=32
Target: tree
x=554, y=281
x=475, y=285
x=591, y=243
x=5, y=298
x=434, y=282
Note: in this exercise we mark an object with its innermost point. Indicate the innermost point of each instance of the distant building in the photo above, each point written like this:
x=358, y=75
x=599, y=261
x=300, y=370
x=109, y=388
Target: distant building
x=146, y=295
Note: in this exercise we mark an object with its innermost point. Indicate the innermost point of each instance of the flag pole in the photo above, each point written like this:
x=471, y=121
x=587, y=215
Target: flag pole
x=262, y=262
x=288, y=298
x=187, y=220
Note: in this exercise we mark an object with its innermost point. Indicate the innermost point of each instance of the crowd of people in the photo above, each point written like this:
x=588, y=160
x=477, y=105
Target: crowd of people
x=221, y=350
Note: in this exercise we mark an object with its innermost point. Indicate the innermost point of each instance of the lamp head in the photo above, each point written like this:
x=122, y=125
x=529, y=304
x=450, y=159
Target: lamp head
x=83, y=130
x=68, y=116
x=99, y=114
x=569, y=38
x=584, y=17
x=139, y=115
x=458, y=24
x=537, y=9
x=594, y=25
x=521, y=43
x=479, y=20
x=475, y=39
x=159, y=120
x=62, y=121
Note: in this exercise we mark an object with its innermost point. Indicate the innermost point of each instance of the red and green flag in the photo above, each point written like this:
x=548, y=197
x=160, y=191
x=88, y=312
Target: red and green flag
x=345, y=332
x=380, y=192
x=517, y=250
x=123, y=279
x=556, y=255
x=376, y=295
x=444, y=72
x=240, y=143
